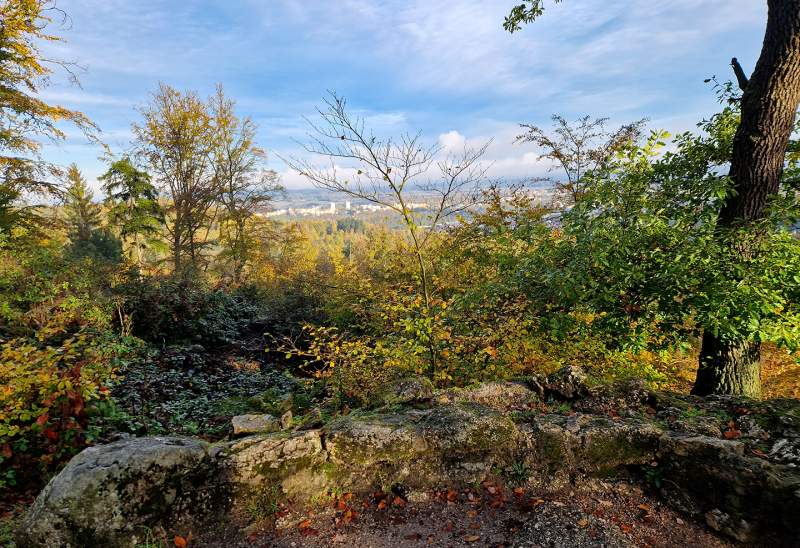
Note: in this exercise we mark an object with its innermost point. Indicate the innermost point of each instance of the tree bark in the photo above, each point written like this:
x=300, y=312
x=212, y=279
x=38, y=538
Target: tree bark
x=768, y=109
x=728, y=367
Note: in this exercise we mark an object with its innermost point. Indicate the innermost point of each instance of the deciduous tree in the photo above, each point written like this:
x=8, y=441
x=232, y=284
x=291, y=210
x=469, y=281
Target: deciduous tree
x=176, y=142
x=730, y=365
x=578, y=149
x=386, y=172
x=246, y=186
x=25, y=118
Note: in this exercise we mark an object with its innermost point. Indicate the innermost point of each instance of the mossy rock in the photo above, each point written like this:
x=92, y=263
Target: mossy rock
x=110, y=495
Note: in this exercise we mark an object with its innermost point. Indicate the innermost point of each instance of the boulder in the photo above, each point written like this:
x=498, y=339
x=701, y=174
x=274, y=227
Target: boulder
x=254, y=424
x=568, y=383
x=501, y=396
x=739, y=494
x=289, y=462
x=420, y=449
x=409, y=390
x=110, y=495
x=287, y=419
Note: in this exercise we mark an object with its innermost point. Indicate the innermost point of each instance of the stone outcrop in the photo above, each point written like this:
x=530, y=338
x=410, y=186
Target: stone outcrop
x=109, y=494
x=254, y=424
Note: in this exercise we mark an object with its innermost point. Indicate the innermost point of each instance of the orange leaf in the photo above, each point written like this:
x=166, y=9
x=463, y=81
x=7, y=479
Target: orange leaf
x=732, y=434
x=382, y=505
x=398, y=501
x=179, y=541
x=519, y=491
x=305, y=524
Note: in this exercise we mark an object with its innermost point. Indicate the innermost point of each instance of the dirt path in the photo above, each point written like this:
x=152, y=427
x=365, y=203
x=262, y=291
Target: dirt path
x=612, y=514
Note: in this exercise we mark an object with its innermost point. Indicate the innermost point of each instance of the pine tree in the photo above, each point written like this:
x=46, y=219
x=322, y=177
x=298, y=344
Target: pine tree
x=82, y=214
x=134, y=209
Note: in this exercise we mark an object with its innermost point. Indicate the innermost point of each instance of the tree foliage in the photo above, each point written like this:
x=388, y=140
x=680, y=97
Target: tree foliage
x=25, y=118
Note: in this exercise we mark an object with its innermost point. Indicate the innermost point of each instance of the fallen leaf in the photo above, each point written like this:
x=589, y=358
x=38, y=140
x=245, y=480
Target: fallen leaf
x=382, y=505
x=398, y=501
x=583, y=523
x=305, y=524
x=472, y=514
x=625, y=527
x=179, y=541
x=519, y=491
x=732, y=434
x=472, y=538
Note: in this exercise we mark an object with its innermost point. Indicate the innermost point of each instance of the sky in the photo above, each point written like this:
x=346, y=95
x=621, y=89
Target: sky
x=444, y=68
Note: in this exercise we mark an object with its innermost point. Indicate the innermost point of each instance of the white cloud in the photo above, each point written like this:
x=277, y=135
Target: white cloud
x=452, y=141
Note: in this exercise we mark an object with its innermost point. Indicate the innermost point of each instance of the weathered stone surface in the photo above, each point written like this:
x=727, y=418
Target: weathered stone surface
x=289, y=461
x=558, y=447
x=107, y=495
x=568, y=383
x=741, y=495
x=409, y=390
x=449, y=443
x=255, y=424
x=287, y=419
x=501, y=396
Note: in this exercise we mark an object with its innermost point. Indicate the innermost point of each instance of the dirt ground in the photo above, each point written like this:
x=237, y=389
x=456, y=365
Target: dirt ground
x=600, y=513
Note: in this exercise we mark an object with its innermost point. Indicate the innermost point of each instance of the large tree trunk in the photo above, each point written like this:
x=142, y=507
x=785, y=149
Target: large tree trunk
x=728, y=368
x=769, y=105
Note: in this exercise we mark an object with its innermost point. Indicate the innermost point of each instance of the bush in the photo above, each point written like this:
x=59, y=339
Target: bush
x=166, y=311
x=49, y=396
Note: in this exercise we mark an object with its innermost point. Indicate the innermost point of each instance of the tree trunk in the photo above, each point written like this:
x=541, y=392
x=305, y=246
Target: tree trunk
x=728, y=368
x=768, y=110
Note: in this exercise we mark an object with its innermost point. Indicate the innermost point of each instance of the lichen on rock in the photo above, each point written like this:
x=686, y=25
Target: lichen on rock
x=110, y=494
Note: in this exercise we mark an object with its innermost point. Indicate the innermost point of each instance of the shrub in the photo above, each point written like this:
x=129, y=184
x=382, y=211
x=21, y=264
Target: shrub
x=48, y=398
x=167, y=311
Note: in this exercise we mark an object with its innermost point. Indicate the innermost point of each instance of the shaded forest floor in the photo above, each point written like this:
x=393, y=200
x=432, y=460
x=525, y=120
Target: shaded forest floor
x=596, y=513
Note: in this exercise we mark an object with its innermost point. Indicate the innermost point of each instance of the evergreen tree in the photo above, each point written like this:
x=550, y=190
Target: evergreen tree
x=82, y=214
x=134, y=209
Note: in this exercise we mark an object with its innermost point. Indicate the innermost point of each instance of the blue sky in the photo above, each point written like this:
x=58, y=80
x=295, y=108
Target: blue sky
x=442, y=67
